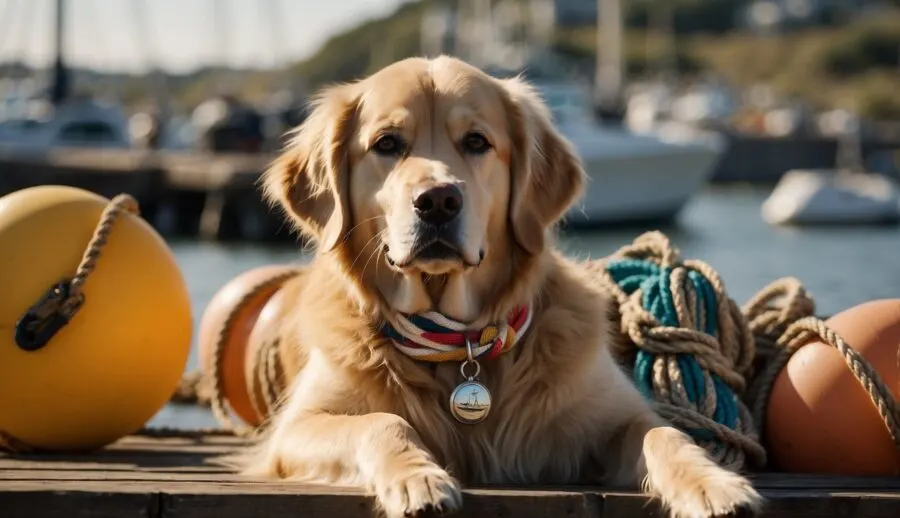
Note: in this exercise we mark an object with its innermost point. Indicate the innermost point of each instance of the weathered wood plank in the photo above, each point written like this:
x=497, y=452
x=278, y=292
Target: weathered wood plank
x=174, y=477
x=50, y=503
x=476, y=505
x=790, y=481
x=178, y=500
x=780, y=504
x=98, y=472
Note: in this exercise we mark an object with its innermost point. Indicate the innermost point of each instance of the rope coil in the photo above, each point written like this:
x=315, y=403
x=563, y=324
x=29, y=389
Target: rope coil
x=692, y=350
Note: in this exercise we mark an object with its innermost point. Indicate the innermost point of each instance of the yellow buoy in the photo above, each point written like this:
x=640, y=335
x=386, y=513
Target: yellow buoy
x=92, y=344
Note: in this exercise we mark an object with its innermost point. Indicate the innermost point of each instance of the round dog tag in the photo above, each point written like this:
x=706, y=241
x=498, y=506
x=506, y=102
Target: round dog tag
x=470, y=402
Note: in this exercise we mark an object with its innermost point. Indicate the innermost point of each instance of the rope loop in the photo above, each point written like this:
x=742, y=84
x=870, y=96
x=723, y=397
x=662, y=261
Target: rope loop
x=806, y=330
x=121, y=204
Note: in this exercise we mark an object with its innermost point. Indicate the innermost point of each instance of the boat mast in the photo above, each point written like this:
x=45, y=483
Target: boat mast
x=158, y=82
x=272, y=20
x=227, y=83
x=59, y=90
x=663, y=20
x=608, y=73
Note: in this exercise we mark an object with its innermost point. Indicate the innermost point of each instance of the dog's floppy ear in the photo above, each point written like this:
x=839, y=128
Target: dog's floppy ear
x=546, y=174
x=310, y=179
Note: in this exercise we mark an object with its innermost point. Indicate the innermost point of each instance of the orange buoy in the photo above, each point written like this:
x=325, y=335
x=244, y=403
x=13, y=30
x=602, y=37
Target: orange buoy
x=819, y=418
x=230, y=317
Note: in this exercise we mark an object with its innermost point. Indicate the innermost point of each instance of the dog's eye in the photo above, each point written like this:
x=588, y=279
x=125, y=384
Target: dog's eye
x=476, y=143
x=388, y=145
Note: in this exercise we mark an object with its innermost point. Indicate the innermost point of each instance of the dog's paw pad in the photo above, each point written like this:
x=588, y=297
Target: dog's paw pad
x=715, y=497
x=423, y=492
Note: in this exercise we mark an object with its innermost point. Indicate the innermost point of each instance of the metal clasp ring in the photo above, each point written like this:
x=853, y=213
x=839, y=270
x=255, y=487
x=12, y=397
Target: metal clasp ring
x=470, y=360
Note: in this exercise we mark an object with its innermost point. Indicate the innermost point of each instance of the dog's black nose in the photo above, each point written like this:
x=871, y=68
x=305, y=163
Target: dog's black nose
x=439, y=205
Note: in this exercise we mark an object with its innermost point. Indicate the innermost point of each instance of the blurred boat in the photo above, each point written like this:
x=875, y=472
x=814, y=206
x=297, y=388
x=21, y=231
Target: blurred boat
x=225, y=123
x=850, y=194
x=829, y=197
x=633, y=177
x=78, y=122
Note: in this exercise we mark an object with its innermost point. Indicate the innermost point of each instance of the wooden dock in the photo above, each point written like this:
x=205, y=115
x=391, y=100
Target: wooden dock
x=213, y=196
x=170, y=476
x=216, y=196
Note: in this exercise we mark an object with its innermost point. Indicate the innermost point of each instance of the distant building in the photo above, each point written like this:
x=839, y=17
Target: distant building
x=575, y=12
x=500, y=31
x=779, y=14
x=754, y=13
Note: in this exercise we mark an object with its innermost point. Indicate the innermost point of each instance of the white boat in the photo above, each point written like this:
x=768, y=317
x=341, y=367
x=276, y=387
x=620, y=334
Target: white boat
x=829, y=197
x=75, y=123
x=633, y=177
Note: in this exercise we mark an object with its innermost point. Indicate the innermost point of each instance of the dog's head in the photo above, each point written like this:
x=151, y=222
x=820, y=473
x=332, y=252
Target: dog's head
x=430, y=181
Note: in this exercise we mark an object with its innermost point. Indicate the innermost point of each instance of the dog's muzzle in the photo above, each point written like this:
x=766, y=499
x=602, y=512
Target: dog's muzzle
x=437, y=231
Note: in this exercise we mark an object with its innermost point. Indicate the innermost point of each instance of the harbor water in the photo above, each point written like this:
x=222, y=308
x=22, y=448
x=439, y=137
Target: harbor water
x=840, y=267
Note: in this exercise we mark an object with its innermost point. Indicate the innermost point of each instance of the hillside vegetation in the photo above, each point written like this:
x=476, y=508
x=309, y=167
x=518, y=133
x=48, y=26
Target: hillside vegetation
x=834, y=64
x=840, y=61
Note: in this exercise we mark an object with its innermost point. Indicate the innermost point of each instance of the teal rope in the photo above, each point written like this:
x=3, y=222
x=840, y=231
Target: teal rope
x=654, y=281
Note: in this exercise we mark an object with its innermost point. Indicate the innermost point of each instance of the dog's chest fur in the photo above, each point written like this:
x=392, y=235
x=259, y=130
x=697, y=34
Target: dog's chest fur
x=525, y=439
x=549, y=405
x=551, y=394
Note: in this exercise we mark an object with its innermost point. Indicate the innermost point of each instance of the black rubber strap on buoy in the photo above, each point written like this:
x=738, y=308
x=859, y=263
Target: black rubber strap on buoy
x=45, y=318
x=60, y=303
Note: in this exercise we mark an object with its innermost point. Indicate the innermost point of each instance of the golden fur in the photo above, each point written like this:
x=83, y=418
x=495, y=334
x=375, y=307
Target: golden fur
x=358, y=412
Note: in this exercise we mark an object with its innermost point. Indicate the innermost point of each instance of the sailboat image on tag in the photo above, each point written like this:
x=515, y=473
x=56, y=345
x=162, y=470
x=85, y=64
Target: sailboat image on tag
x=470, y=402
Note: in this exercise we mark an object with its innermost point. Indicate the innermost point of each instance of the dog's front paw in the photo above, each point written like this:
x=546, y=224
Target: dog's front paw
x=714, y=492
x=418, y=490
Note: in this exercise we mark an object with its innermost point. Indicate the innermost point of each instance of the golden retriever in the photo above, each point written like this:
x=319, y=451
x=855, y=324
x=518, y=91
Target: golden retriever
x=432, y=186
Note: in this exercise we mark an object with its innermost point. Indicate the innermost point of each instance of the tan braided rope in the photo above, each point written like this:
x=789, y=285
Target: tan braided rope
x=267, y=378
x=769, y=315
x=810, y=328
x=193, y=389
x=121, y=204
x=218, y=403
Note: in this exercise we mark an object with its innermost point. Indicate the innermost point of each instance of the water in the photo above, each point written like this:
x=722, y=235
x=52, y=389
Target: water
x=840, y=267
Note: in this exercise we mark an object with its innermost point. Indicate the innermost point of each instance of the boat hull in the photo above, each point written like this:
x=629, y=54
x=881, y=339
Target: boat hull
x=649, y=187
x=828, y=197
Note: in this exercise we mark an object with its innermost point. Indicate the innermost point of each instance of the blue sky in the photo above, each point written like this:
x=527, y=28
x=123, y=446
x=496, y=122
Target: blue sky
x=104, y=34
